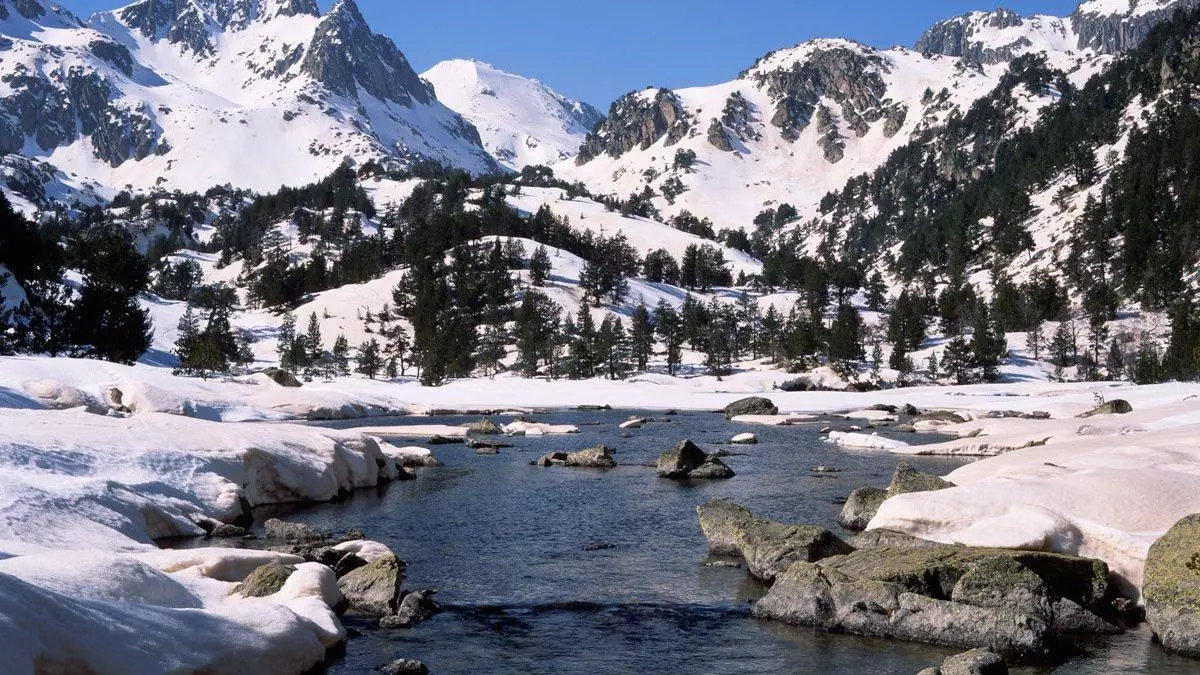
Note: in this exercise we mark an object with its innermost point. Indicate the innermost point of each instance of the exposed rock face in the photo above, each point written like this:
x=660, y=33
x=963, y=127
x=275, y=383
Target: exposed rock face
x=1113, y=34
x=374, y=589
x=1000, y=599
x=846, y=76
x=864, y=503
x=768, y=547
x=718, y=137
x=959, y=37
x=266, y=580
x=974, y=662
x=637, y=120
x=346, y=54
x=754, y=405
x=687, y=460
x=1171, y=587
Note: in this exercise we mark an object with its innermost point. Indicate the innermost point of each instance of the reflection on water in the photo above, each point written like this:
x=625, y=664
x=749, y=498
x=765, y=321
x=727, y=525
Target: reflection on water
x=585, y=571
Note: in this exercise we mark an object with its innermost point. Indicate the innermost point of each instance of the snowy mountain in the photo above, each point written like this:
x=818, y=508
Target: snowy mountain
x=521, y=120
x=802, y=121
x=193, y=93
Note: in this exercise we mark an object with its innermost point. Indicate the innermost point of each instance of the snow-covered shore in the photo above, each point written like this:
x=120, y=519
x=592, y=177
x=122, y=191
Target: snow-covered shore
x=85, y=491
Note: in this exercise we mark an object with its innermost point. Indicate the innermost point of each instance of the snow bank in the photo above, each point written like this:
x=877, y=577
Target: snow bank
x=1109, y=497
x=81, y=497
x=848, y=439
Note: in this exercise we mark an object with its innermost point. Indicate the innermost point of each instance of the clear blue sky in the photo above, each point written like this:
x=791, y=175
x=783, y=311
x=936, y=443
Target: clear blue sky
x=597, y=51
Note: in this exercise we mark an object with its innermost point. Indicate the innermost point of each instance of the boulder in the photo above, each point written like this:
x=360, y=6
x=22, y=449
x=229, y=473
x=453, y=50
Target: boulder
x=755, y=405
x=347, y=564
x=477, y=444
x=483, y=427
x=687, y=460
x=405, y=667
x=1114, y=407
x=293, y=533
x=860, y=507
x=744, y=439
x=1171, y=587
x=633, y=423
x=443, y=440
x=863, y=503
x=720, y=519
x=266, y=580
x=954, y=596
x=890, y=539
x=599, y=457
x=945, y=416
x=974, y=662
x=908, y=410
x=374, y=589
x=414, y=608
x=282, y=378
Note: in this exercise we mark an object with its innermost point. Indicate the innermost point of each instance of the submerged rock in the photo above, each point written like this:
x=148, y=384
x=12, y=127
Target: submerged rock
x=754, y=405
x=687, y=460
x=974, y=662
x=1171, y=587
x=374, y=589
x=414, y=608
x=293, y=533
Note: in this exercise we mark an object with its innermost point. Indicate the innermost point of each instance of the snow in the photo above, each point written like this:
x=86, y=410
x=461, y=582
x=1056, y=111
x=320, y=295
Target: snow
x=521, y=121
x=848, y=439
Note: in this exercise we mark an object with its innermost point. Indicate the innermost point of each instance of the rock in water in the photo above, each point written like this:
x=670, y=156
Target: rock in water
x=755, y=405
x=974, y=662
x=1171, y=587
x=948, y=595
x=768, y=547
x=720, y=519
x=282, y=377
x=864, y=503
x=1114, y=407
x=687, y=460
x=484, y=427
x=599, y=457
x=374, y=589
x=861, y=507
x=405, y=667
x=293, y=533
x=744, y=439
x=266, y=580
x=416, y=607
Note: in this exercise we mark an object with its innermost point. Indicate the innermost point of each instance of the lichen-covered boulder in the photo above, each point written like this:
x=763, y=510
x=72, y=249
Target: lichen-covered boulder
x=770, y=548
x=1171, y=587
x=906, y=479
x=754, y=405
x=720, y=519
x=860, y=507
x=374, y=589
x=266, y=580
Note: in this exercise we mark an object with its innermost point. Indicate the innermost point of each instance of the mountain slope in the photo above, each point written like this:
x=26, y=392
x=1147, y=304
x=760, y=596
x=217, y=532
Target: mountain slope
x=521, y=121
x=802, y=121
x=193, y=93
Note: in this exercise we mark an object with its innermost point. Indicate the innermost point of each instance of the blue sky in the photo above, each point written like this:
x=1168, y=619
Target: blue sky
x=596, y=51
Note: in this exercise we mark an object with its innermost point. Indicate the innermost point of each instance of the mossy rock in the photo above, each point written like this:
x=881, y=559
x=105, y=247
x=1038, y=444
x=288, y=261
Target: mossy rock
x=860, y=507
x=266, y=580
x=907, y=480
x=1171, y=587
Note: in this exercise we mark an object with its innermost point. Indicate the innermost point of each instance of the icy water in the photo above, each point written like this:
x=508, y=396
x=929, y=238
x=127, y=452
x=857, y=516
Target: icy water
x=594, y=572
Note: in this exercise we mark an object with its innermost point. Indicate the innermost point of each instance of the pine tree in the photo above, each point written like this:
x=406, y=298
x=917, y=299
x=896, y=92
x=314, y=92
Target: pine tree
x=876, y=292
x=933, y=366
x=988, y=345
x=641, y=334
x=1060, y=346
x=1034, y=339
x=188, y=330
x=539, y=267
x=398, y=347
x=312, y=341
x=844, y=336
x=957, y=360
x=369, y=361
x=341, y=355
x=669, y=329
x=490, y=352
x=286, y=343
x=583, y=359
x=537, y=328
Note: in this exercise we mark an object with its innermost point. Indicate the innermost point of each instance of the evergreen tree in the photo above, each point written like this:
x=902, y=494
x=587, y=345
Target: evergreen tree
x=582, y=354
x=537, y=328
x=669, y=328
x=660, y=268
x=641, y=333
x=397, y=348
x=845, y=343
x=539, y=267
x=956, y=361
x=933, y=366
x=988, y=345
x=1035, y=339
x=490, y=352
x=876, y=292
x=312, y=341
x=1060, y=346
x=188, y=330
x=341, y=355
x=285, y=346
x=370, y=360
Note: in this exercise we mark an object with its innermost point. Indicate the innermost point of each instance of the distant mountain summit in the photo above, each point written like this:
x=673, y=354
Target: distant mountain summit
x=193, y=93
x=520, y=120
